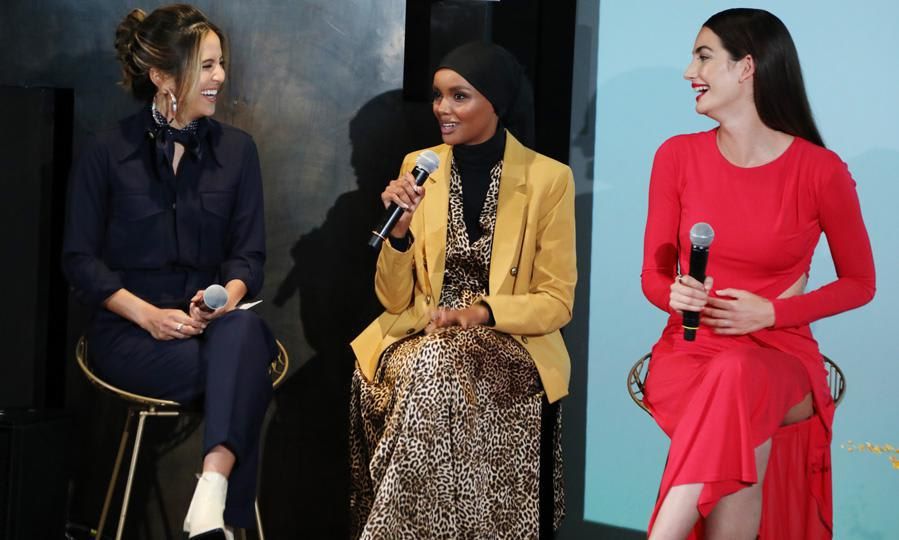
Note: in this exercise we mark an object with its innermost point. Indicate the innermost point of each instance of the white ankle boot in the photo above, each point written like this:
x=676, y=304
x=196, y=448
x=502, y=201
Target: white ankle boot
x=208, y=505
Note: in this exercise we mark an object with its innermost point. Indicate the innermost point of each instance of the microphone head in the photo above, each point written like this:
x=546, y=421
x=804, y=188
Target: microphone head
x=701, y=234
x=215, y=296
x=428, y=160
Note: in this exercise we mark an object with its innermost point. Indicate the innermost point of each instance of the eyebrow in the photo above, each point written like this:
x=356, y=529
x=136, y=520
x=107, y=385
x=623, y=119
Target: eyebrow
x=701, y=47
x=457, y=88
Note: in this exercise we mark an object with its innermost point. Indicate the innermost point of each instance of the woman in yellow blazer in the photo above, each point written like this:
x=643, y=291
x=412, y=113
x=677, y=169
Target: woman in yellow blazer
x=455, y=379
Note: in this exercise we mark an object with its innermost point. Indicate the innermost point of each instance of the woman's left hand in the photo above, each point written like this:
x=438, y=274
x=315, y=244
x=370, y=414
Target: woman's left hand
x=202, y=315
x=742, y=313
x=466, y=318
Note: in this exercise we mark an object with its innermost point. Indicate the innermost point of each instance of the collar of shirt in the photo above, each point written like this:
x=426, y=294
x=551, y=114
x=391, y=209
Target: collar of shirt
x=138, y=132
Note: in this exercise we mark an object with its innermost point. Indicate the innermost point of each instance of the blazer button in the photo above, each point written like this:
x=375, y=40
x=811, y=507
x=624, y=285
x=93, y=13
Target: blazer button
x=410, y=331
x=514, y=271
x=428, y=299
x=524, y=339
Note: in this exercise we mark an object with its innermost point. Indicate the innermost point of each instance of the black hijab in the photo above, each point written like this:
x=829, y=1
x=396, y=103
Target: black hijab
x=496, y=74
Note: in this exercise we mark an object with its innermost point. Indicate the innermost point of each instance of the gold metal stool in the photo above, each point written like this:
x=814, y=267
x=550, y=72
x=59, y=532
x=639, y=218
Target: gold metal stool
x=144, y=406
x=636, y=380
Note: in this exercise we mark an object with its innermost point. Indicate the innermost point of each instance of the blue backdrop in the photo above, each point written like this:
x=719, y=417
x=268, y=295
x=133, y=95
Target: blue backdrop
x=850, y=69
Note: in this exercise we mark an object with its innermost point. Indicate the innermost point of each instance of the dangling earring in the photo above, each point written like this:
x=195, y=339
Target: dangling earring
x=172, y=111
x=174, y=106
x=155, y=110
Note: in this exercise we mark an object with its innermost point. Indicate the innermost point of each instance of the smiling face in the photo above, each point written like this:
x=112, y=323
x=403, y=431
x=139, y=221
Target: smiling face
x=722, y=84
x=201, y=98
x=464, y=114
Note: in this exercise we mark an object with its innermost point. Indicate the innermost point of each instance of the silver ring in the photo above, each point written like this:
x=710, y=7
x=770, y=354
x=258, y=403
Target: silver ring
x=179, y=327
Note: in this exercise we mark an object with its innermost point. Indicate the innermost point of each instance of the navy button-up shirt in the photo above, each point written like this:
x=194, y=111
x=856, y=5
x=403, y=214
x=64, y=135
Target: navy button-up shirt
x=132, y=223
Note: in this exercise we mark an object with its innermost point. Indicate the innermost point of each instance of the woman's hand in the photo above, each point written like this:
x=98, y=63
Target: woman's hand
x=743, y=313
x=200, y=315
x=688, y=294
x=407, y=195
x=168, y=324
x=466, y=318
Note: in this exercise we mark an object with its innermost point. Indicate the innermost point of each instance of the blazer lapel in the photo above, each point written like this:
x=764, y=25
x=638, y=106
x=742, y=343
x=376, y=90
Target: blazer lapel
x=436, y=215
x=510, y=212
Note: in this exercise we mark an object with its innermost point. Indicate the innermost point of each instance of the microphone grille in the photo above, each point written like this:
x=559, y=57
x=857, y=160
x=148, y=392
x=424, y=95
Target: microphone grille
x=428, y=160
x=701, y=234
x=215, y=296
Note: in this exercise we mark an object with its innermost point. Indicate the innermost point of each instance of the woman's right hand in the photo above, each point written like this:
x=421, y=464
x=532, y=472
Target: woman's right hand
x=688, y=294
x=168, y=324
x=407, y=195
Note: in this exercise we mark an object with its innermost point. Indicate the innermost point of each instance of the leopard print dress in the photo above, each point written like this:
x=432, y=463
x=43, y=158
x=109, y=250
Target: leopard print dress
x=445, y=441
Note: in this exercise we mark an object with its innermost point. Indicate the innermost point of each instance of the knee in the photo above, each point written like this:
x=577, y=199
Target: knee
x=240, y=324
x=736, y=365
x=241, y=321
x=242, y=332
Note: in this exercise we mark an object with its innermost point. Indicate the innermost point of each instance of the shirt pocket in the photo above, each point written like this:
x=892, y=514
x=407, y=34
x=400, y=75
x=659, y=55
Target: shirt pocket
x=140, y=231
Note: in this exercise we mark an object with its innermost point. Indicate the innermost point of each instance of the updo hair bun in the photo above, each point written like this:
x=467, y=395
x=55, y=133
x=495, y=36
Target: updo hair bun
x=134, y=72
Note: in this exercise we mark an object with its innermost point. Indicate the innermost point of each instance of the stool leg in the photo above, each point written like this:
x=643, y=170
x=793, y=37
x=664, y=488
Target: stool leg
x=134, y=453
x=258, y=520
x=115, y=473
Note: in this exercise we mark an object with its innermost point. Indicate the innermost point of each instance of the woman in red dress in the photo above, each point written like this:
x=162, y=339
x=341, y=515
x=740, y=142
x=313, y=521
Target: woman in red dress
x=746, y=404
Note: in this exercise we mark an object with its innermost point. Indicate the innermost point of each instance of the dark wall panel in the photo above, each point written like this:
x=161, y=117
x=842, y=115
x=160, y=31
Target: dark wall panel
x=35, y=155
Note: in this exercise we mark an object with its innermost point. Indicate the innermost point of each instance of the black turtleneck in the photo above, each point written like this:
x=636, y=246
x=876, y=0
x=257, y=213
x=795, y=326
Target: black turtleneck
x=474, y=163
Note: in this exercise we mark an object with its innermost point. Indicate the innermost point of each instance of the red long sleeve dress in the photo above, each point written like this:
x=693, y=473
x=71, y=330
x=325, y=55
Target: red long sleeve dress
x=719, y=397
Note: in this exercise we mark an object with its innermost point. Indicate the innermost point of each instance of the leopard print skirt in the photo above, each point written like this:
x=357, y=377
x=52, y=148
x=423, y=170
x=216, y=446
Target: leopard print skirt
x=445, y=441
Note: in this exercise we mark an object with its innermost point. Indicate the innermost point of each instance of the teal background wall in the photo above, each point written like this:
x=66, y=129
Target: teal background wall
x=851, y=71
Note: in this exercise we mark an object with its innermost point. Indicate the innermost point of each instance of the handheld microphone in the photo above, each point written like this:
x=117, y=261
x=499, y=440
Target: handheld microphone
x=426, y=163
x=214, y=297
x=701, y=236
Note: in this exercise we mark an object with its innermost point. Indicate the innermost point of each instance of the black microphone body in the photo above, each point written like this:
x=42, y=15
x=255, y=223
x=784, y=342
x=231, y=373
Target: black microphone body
x=701, y=236
x=425, y=165
x=699, y=258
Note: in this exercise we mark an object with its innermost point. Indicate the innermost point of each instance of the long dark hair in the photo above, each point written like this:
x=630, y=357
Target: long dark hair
x=777, y=86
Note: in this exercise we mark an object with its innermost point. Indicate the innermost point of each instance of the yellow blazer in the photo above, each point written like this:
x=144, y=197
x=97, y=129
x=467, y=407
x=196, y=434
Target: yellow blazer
x=532, y=266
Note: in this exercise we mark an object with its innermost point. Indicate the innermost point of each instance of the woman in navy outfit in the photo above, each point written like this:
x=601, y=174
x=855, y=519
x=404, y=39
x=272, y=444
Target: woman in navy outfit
x=161, y=206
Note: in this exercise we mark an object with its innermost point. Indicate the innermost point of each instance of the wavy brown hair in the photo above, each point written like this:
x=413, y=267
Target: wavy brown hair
x=167, y=39
x=778, y=88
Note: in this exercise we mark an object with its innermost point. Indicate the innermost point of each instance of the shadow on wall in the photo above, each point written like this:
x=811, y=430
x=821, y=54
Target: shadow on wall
x=305, y=467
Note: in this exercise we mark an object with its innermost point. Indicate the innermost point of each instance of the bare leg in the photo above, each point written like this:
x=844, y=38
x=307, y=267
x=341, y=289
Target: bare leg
x=801, y=411
x=220, y=460
x=678, y=513
x=738, y=515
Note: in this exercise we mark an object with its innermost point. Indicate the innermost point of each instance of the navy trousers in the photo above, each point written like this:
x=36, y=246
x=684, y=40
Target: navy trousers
x=227, y=366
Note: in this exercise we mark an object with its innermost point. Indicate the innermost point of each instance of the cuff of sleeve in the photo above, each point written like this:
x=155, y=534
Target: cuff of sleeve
x=787, y=313
x=400, y=244
x=394, y=260
x=96, y=298
x=491, y=321
x=235, y=270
